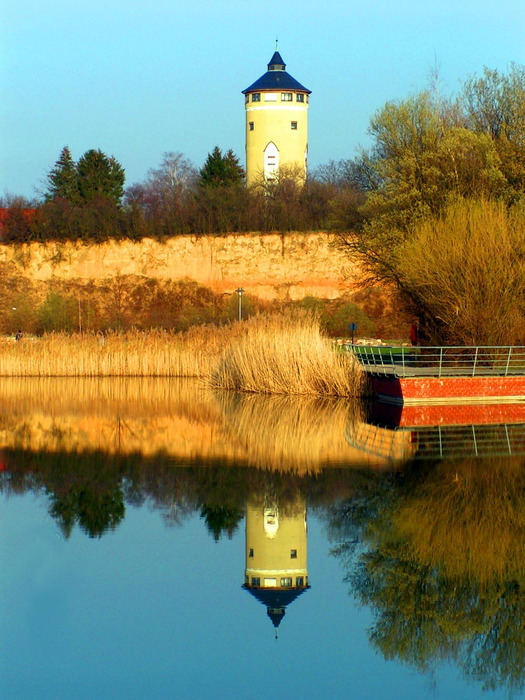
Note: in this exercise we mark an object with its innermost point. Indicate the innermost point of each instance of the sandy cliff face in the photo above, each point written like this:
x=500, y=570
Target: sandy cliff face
x=271, y=266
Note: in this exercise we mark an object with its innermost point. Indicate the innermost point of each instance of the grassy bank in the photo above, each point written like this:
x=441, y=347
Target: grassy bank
x=271, y=354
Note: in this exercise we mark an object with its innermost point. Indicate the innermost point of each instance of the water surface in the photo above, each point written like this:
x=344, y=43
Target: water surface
x=129, y=510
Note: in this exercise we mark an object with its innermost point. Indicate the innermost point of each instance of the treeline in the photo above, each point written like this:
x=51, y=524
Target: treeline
x=87, y=201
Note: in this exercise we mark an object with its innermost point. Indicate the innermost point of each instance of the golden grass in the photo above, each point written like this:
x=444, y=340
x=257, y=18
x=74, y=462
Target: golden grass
x=179, y=418
x=270, y=354
x=286, y=354
x=133, y=354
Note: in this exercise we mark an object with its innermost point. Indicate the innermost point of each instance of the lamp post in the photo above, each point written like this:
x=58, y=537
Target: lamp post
x=239, y=291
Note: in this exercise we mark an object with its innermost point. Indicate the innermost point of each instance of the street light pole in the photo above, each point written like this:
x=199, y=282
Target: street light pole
x=239, y=291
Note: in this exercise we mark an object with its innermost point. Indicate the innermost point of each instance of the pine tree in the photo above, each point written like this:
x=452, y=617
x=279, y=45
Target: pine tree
x=63, y=179
x=100, y=176
x=220, y=170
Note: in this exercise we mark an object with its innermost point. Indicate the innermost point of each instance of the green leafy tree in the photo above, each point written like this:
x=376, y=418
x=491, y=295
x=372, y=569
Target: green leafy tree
x=437, y=556
x=427, y=155
x=494, y=104
x=221, y=169
x=100, y=176
x=95, y=512
x=57, y=313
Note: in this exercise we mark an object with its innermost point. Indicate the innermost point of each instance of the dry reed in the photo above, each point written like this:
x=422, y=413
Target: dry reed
x=132, y=354
x=268, y=354
x=286, y=354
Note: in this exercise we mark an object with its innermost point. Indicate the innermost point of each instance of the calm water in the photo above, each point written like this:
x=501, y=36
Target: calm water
x=146, y=529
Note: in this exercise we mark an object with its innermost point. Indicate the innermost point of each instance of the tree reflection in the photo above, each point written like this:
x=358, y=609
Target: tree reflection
x=221, y=519
x=439, y=558
x=95, y=512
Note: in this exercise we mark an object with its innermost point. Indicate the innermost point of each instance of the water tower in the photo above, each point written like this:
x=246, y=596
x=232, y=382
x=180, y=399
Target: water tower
x=276, y=108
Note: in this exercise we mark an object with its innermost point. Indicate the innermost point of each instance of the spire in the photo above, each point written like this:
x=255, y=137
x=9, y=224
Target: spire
x=275, y=615
x=276, y=61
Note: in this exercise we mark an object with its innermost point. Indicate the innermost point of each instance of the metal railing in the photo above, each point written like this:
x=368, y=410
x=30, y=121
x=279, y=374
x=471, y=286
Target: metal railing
x=441, y=361
x=447, y=442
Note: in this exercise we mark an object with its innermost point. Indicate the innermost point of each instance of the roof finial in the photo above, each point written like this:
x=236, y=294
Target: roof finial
x=277, y=43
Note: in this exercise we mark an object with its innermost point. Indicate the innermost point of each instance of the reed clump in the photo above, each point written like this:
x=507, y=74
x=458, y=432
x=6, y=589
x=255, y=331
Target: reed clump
x=286, y=354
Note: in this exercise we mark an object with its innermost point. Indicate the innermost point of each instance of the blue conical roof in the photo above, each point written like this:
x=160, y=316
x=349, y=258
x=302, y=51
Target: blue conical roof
x=276, y=78
x=276, y=62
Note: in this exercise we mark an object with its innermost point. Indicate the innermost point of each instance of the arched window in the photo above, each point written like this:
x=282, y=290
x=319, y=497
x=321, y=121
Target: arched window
x=271, y=161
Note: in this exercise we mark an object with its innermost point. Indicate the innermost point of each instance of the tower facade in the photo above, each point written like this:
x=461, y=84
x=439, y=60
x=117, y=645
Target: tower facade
x=276, y=570
x=276, y=108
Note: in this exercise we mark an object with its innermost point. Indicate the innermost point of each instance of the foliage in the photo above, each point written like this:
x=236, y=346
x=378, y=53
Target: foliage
x=63, y=181
x=494, y=104
x=221, y=170
x=57, y=313
x=95, y=512
x=469, y=285
x=100, y=176
x=220, y=519
x=436, y=554
x=427, y=157
x=95, y=176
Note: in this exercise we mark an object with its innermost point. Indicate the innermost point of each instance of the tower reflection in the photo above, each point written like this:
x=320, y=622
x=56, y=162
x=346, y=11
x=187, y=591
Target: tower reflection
x=276, y=555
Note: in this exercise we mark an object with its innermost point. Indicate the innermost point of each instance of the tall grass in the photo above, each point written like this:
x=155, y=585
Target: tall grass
x=269, y=354
x=132, y=354
x=286, y=354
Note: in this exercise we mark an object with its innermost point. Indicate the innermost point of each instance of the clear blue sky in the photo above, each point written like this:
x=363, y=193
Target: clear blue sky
x=137, y=79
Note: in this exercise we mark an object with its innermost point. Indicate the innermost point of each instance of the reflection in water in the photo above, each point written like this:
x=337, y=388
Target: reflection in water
x=401, y=433
x=434, y=548
x=276, y=555
x=437, y=553
x=178, y=418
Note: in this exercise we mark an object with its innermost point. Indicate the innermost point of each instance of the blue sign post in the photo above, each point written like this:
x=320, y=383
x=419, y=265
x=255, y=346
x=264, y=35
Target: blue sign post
x=353, y=328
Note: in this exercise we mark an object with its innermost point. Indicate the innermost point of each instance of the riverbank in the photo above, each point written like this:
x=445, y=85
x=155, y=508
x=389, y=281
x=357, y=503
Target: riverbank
x=274, y=354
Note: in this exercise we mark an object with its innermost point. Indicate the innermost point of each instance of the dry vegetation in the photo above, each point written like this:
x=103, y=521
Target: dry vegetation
x=470, y=281
x=269, y=354
x=286, y=355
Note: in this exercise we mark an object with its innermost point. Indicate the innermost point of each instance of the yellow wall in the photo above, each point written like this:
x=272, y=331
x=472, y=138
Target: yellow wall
x=272, y=122
x=272, y=534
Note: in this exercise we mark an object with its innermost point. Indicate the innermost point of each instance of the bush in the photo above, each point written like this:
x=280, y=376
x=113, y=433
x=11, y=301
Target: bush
x=464, y=273
x=57, y=313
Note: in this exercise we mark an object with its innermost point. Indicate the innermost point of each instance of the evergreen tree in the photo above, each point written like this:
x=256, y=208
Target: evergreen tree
x=221, y=170
x=63, y=180
x=100, y=176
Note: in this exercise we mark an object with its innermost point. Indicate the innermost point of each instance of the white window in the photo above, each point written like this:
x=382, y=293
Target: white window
x=271, y=166
x=300, y=97
x=270, y=97
x=286, y=96
x=256, y=97
x=293, y=126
